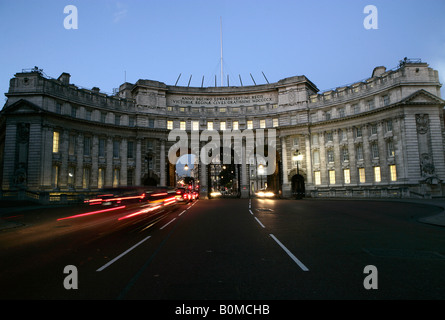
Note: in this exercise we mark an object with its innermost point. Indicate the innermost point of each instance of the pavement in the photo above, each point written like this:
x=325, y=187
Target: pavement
x=8, y=211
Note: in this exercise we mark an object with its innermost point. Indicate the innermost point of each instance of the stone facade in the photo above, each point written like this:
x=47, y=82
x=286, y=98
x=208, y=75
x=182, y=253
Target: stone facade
x=380, y=137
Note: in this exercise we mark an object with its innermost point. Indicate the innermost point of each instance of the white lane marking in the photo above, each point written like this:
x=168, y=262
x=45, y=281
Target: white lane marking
x=121, y=255
x=250, y=203
x=181, y=213
x=167, y=224
x=259, y=222
x=251, y=212
x=290, y=254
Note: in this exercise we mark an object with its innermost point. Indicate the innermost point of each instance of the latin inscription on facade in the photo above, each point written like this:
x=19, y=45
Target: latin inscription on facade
x=222, y=100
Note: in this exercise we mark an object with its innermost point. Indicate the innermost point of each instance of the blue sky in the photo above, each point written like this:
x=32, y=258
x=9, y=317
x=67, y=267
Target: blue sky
x=158, y=40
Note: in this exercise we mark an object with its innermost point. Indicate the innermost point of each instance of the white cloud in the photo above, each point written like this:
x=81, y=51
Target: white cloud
x=120, y=13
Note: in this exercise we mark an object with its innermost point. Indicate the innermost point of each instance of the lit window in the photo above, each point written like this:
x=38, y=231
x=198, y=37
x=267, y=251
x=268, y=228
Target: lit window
x=332, y=176
x=116, y=174
x=86, y=178
x=262, y=124
x=235, y=125
x=182, y=125
x=361, y=174
x=222, y=125
x=222, y=110
x=275, y=122
x=393, y=172
x=56, y=136
x=101, y=178
x=347, y=176
x=210, y=125
x=56, y=176
x=195, y=125
x=169, y=124
x=249, y=124
x=377, y=176
x=182, y=109
x=317, y=177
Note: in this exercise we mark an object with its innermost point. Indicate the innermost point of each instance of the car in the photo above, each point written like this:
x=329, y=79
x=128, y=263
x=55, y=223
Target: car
x=183, y=195
x=264, y=193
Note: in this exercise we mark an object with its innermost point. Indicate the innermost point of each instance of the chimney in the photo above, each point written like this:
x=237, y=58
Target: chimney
x=65, y=78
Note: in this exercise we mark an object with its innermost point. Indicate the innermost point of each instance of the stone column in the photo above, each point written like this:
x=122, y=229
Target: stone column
x=124, y=162
x=286, y=188
x=244, y=185
x=163, y=168
x=138, y=171
x=94, y=162
x=9, y=156
x=109, y=168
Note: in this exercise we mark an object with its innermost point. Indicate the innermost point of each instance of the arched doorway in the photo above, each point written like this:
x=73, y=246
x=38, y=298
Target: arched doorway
x=298, y=189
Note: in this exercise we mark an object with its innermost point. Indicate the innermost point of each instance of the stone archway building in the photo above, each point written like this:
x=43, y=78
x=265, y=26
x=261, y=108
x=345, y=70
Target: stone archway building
x=380, y=137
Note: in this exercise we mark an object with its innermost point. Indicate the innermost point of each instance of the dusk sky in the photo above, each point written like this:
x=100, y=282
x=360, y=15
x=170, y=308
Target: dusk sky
x=158, y=40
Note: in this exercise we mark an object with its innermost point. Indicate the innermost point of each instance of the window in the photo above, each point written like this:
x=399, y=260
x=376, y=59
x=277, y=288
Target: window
x=386, y=100
x=330, y=155
x=331, y=176
x=374, y=150
x=210, y=125
x=377, y=176
x=101, y=147
x=371, y=104
x=169, y=109
x=130, y=149
x=116, y=173
x=329, y=136
x=117, y=120
x=86, y=146
x=73, y=111
x=116, y=149
x=393, y=172
x=58, y=108
x=131, y=121
x=358, y=132
x=222, y=125
x=222, y=110
x=249, y=124
x=347, y=176
x=56, y=137
x=182, y=125
x=275, y=122
x=317, y=177
x=86, y=178
x=262, y=123
x=359, y=152
x=356, y=108
x=361, y=175
x=130, y=177
x=327, y=115
x=342, y=134
x=88, y=114
x=235, y=125
x=341, y=112
x=151, y=123
x=103, y=115
x=295, y=141
x=169, y=125
x=373, y=129
x=182, y=109
x=195, y=125
x=315, y=139
x=100, y=178
x=316, y=157
x=390, y=148
x=344, y=154
x=389, y=126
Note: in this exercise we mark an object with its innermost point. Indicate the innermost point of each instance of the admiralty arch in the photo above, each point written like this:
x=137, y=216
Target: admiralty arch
x=378, y=137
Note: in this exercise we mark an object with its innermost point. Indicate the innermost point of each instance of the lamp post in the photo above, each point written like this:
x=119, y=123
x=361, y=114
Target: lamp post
x=297, y=156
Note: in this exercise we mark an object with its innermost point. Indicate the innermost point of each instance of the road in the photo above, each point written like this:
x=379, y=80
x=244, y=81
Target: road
x=227, y=249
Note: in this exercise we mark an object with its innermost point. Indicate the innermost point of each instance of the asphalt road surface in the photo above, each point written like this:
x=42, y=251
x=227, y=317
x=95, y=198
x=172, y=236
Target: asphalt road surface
x=226, y=249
